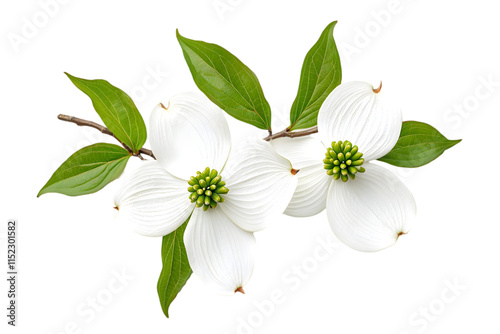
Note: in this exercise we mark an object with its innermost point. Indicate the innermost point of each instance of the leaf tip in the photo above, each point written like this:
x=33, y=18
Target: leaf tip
x=331, y=25
x=178, y=34
x=240, y=290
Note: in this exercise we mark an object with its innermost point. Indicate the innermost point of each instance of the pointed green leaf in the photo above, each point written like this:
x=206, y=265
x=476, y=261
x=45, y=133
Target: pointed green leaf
x=418, y=144
x=88, y=170
x=176, y=270
x=321, y=73
x=227, y=82
x=117, y=111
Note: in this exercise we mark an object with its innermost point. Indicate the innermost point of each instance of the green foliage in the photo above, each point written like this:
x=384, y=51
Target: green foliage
x=88, y=170
x=321, y=73
x=418, y=144
x=117, y=111
x=176, y=270
x=227, y=82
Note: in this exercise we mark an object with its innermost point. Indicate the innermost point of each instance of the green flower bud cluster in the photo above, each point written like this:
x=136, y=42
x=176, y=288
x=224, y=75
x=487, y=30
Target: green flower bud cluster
x=206, y=189
x=342, y=160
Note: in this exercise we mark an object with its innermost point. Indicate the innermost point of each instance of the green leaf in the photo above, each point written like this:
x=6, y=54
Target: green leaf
x=321, y=73
x=176, y=270
x=117, y=111
x=227, y=82
x=418, y=144
x=88, y=170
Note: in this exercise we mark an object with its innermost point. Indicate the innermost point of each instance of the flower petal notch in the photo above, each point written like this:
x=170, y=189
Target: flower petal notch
x=355, y=112
x=152, y=201
x=370, y=213
x=261, y=184
x=189, y=133
x=219, y=252
x=305, y=153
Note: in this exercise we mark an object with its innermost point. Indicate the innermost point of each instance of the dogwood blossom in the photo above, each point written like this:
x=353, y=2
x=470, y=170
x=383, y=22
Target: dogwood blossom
x=227, y=194
x=368, y=207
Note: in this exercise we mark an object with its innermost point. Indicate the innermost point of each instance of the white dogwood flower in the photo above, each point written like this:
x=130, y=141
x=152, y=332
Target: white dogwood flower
x=368, y=207
x=230, y=197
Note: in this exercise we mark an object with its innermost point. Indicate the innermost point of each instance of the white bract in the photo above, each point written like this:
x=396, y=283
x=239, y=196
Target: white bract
x=187, y=136
x=368, y=207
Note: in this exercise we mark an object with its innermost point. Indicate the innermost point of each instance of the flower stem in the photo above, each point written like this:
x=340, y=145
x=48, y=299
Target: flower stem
x=83, y=122
x=292, y=134
x=105, y=130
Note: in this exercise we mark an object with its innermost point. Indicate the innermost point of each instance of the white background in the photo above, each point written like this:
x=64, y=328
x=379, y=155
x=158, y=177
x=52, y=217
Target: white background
x=433, y=58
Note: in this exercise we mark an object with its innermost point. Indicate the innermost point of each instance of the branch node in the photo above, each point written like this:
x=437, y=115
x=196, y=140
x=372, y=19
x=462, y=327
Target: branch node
x=105, y=130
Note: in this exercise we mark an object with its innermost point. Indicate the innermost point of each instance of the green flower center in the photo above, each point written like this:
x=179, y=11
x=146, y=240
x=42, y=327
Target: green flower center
x=206, y=189
x=343, y=161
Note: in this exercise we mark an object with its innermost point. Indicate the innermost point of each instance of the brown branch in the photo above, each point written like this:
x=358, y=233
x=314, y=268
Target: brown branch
x=292, y=134
x=105, y=130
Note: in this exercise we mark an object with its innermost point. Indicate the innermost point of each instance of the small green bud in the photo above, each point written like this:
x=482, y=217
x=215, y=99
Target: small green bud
x=203, y=183
x=222, y=190
x=215, y=180
x=336, y=148
x=216, y=197
x=209, y=193
x=357, y=156
x=358, y=162
x=353, y=170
